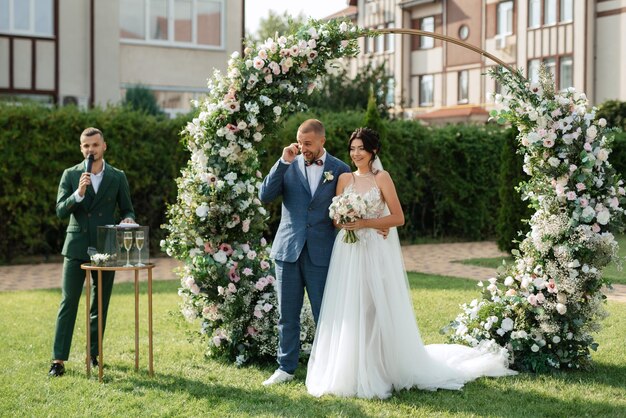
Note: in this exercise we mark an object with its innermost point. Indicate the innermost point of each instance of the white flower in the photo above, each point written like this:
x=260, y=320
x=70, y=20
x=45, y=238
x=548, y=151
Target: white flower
x=507, y=324
x=603, y=217
x=202, y=210
x=534, y=348
x=277, y=110
x=328, y=176
x=560, y=308
x=220, y=257
x=509, y=281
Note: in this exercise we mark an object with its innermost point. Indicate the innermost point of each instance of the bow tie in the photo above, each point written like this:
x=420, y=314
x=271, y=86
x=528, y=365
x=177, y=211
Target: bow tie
x=316, y=162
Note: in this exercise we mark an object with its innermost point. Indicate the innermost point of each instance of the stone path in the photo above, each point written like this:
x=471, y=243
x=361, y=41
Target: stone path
x=438, y=259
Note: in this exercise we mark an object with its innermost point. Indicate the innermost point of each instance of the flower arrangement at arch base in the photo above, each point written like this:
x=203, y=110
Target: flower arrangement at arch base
x=216, y=225
x=545, y=306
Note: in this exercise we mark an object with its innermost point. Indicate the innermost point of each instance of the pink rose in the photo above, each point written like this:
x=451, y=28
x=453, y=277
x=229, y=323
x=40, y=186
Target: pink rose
x=532, y=299
x=595, y=228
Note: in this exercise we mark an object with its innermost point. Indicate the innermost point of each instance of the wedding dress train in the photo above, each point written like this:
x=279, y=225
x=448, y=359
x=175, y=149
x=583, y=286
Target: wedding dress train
x=367, y=343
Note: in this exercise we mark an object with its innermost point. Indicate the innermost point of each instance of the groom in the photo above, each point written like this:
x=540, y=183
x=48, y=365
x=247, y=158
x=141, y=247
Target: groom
x=304, y=240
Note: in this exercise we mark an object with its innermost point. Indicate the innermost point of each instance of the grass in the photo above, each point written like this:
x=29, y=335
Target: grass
x=186, y=384
x=613, y=271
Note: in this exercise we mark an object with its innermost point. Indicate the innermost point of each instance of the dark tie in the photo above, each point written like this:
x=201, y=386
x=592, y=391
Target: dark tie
x=316, y=162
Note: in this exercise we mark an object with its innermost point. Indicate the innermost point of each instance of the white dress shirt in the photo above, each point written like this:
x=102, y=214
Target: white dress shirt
x=96, y=179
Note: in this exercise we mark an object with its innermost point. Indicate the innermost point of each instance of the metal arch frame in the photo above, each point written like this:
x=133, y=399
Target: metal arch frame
x=403, y=31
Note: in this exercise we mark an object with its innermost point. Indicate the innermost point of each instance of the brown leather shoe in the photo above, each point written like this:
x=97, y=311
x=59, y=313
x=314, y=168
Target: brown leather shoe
x=56, y=370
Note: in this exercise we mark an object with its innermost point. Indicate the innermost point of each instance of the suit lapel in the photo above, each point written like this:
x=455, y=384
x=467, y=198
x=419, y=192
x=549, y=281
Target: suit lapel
x=301, y=176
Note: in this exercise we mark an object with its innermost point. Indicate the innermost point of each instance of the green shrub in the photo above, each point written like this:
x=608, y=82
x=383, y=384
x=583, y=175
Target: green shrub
x=512, y=210
x=38, y=143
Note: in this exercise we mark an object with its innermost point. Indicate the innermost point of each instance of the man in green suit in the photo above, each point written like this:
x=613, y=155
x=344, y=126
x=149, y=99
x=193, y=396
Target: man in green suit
x=90, y=200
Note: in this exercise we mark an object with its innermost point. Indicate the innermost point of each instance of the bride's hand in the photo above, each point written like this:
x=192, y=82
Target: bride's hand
x=353, y=226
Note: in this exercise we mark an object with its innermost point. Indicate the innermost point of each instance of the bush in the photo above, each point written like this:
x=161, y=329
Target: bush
x=38, y=143
x=512, y=209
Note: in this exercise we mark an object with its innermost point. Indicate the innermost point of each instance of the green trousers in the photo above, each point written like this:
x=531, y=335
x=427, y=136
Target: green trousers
x=73, y=279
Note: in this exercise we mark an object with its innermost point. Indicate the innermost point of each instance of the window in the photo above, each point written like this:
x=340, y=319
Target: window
x=533, y=71
x=27, y=17
x=565, y=73
x=534, y=13
x=550, y=64
x=391, y=85
x=549, y=12
x=177, y=22
x=426, y=90
x=567, y=10
x=389, y=39
x=463, y=86
x=427, y=25
x=380, y=42
x=505, y=18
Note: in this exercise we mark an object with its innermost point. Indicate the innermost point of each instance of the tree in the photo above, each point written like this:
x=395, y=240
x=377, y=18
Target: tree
x=142, y=99
x=339, y=92
x=614, y=112
x=276, y=23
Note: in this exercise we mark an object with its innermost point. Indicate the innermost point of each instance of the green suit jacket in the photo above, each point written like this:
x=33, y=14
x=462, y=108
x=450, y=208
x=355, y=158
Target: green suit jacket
x=94, y=210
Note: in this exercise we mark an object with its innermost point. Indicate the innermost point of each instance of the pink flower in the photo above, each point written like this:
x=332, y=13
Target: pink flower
x=252, y=331
x=580, y=187
x=511, y=292
x=208, y=248
x=247, y=271
x=258, y=313
x=271, y=279
x=232, y=274
x=540, y=298
x=532, y=299
x=595, y=228
x=226, y=248
x=583, y=202
x=265, y=265
x=551, y=286
x=232, y=288
x=217, y=341
x=587, y=146
x=251, y=255
x=232, y=128
x=548, y=142
x=245, y=225
x=571, y=195
x=268, y=307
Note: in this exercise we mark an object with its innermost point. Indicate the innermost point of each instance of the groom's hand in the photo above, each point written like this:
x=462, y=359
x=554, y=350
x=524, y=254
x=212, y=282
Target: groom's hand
x=383, y=232
x=290, y=152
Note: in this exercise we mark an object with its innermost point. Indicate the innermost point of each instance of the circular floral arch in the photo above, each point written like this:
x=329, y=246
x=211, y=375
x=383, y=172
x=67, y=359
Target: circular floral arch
x=541, y=309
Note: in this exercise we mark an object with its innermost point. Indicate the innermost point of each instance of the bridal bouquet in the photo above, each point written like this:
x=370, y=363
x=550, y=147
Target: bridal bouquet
x=347, y=207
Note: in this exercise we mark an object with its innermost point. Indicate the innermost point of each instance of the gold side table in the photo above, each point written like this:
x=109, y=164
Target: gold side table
x=88, y=267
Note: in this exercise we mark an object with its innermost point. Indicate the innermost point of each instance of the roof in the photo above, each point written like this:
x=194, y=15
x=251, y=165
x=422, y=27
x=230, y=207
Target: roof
x=349, y=11
x=454, y=112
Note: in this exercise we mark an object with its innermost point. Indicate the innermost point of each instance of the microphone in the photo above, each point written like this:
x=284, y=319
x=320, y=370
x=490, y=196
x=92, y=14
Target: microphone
x=89, y=163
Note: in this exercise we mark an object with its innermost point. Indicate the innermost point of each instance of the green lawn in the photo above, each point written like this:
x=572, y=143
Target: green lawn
x=612, y=271
x=186, y=384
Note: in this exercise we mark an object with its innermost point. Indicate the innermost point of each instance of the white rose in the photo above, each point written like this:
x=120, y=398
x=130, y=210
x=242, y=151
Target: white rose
x=220, y=257
x=508, y=281
x=277, y=110
x=603, y=217
x=554, y=162
x=507, y=324
x=534, y=348
x=560, y=308
x=202, y=210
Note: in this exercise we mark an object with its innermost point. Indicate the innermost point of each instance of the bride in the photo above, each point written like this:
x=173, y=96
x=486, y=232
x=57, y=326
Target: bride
x=367, y=342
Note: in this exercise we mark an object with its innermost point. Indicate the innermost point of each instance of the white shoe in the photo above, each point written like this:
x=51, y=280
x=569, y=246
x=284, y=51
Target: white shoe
x=279, y=376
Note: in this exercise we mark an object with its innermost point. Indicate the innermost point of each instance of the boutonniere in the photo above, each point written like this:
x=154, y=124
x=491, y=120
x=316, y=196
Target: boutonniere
x=328, y=176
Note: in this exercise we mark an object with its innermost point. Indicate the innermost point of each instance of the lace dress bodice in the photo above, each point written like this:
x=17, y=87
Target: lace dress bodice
x=366, y=186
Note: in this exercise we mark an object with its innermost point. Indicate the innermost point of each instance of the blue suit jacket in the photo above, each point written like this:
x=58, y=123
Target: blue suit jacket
x=304, y=218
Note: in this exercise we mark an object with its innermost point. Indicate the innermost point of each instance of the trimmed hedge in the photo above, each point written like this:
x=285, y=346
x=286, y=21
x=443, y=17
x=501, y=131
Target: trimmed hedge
x=38, y=143
x=449, y=179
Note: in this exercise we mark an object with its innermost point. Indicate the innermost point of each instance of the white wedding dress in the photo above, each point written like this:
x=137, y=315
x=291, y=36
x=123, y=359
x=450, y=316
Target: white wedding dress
x=367, y=342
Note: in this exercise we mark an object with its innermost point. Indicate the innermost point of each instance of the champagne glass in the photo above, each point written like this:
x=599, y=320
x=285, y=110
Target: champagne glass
x=119, y=235
x=128, y=244
x=139, y=237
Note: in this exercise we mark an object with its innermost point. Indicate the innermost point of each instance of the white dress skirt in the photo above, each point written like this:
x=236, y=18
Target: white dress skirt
x=367, y=342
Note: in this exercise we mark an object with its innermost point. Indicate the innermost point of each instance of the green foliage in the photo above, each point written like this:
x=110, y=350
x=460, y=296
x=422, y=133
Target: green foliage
x=614, y=112
x=339, y=92
x=512, y=209
x=372, y=118
x=141, y=99
x=37, y=143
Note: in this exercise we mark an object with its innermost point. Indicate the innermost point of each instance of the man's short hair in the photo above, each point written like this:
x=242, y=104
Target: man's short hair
x=91, y=132
x=312, y=125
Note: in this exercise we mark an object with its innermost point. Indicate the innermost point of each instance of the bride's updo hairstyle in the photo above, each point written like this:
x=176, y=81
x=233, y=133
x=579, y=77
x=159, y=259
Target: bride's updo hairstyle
x=371, y=143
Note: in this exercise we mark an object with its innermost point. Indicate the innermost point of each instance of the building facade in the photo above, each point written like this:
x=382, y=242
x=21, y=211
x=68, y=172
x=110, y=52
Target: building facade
x=582, y=42
x=89, y=52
